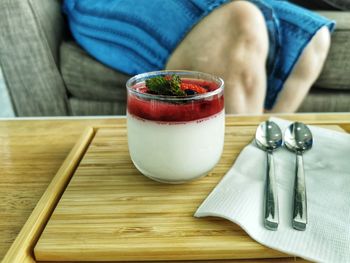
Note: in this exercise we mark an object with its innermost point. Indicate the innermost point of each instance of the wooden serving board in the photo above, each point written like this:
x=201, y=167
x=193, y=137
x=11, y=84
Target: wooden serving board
x=110, y=212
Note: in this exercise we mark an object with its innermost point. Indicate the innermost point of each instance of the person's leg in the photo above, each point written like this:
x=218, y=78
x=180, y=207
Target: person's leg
x=231, y=42
x=305, y=73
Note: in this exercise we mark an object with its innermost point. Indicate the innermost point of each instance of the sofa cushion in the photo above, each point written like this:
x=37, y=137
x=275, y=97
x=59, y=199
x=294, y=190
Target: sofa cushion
x=314, y=4
x=335, y=74
x=323, y=100
x=81, y=107
x=340, y=4
x=324, y=4
x=86, y=78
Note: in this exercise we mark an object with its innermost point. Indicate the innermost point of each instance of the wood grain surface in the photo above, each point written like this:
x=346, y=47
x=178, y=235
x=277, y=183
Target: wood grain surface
x=32, y=151
x=22, y=249
x=111, y=212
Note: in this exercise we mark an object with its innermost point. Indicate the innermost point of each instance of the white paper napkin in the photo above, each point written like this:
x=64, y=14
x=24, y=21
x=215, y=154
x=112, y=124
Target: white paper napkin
x=239, y=197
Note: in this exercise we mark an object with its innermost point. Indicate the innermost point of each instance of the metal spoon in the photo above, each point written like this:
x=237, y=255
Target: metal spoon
x=298, y=138
x=268, y=137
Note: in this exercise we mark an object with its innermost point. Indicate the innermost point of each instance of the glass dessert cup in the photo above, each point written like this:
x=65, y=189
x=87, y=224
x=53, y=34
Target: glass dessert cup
x=174, y=139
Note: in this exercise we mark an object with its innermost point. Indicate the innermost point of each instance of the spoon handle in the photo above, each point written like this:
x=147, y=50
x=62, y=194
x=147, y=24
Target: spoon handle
x=271, y=217
x=299, y=207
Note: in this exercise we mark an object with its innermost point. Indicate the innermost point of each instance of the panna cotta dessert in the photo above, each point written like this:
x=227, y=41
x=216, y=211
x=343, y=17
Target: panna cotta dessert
x=175, y=124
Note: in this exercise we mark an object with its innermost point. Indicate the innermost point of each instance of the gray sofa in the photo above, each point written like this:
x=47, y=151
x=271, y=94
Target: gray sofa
x=47, y=74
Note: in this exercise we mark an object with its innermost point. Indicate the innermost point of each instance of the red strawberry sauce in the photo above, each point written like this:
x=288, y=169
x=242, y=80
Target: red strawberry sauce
x=149, y=107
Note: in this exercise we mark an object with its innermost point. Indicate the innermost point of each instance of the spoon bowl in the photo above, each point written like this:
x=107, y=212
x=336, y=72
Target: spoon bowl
x=268, y=137
x=298, y=137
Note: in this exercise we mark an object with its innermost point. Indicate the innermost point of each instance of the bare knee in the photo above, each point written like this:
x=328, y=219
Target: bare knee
x=247, y=26
x=234, y=39
x=321, y=42
x=248, y=38
x=251, y=46
x=313, y=56
x=319, y=45
x=244, y=12
x=232, y=32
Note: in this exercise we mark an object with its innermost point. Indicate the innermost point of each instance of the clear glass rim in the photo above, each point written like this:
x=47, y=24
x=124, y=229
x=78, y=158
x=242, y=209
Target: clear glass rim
x=194, y=74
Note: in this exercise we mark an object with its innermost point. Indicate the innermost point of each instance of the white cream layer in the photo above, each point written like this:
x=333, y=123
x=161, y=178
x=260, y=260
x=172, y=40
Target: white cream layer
x=176, y=152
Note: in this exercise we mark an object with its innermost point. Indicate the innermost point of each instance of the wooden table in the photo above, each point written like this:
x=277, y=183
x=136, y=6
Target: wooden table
x=32, y=150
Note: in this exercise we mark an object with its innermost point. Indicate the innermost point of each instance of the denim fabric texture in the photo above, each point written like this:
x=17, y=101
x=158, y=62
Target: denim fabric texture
x=136, y=36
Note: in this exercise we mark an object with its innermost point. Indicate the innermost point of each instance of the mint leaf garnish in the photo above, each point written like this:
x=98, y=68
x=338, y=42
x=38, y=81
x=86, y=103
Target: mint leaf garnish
x=165, y=85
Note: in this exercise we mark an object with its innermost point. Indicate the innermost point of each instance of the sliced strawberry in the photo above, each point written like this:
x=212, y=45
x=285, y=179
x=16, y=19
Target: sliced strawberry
x=194, y=87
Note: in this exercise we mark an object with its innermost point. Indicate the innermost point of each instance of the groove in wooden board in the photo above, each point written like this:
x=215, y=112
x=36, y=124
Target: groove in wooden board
x=22, y=248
